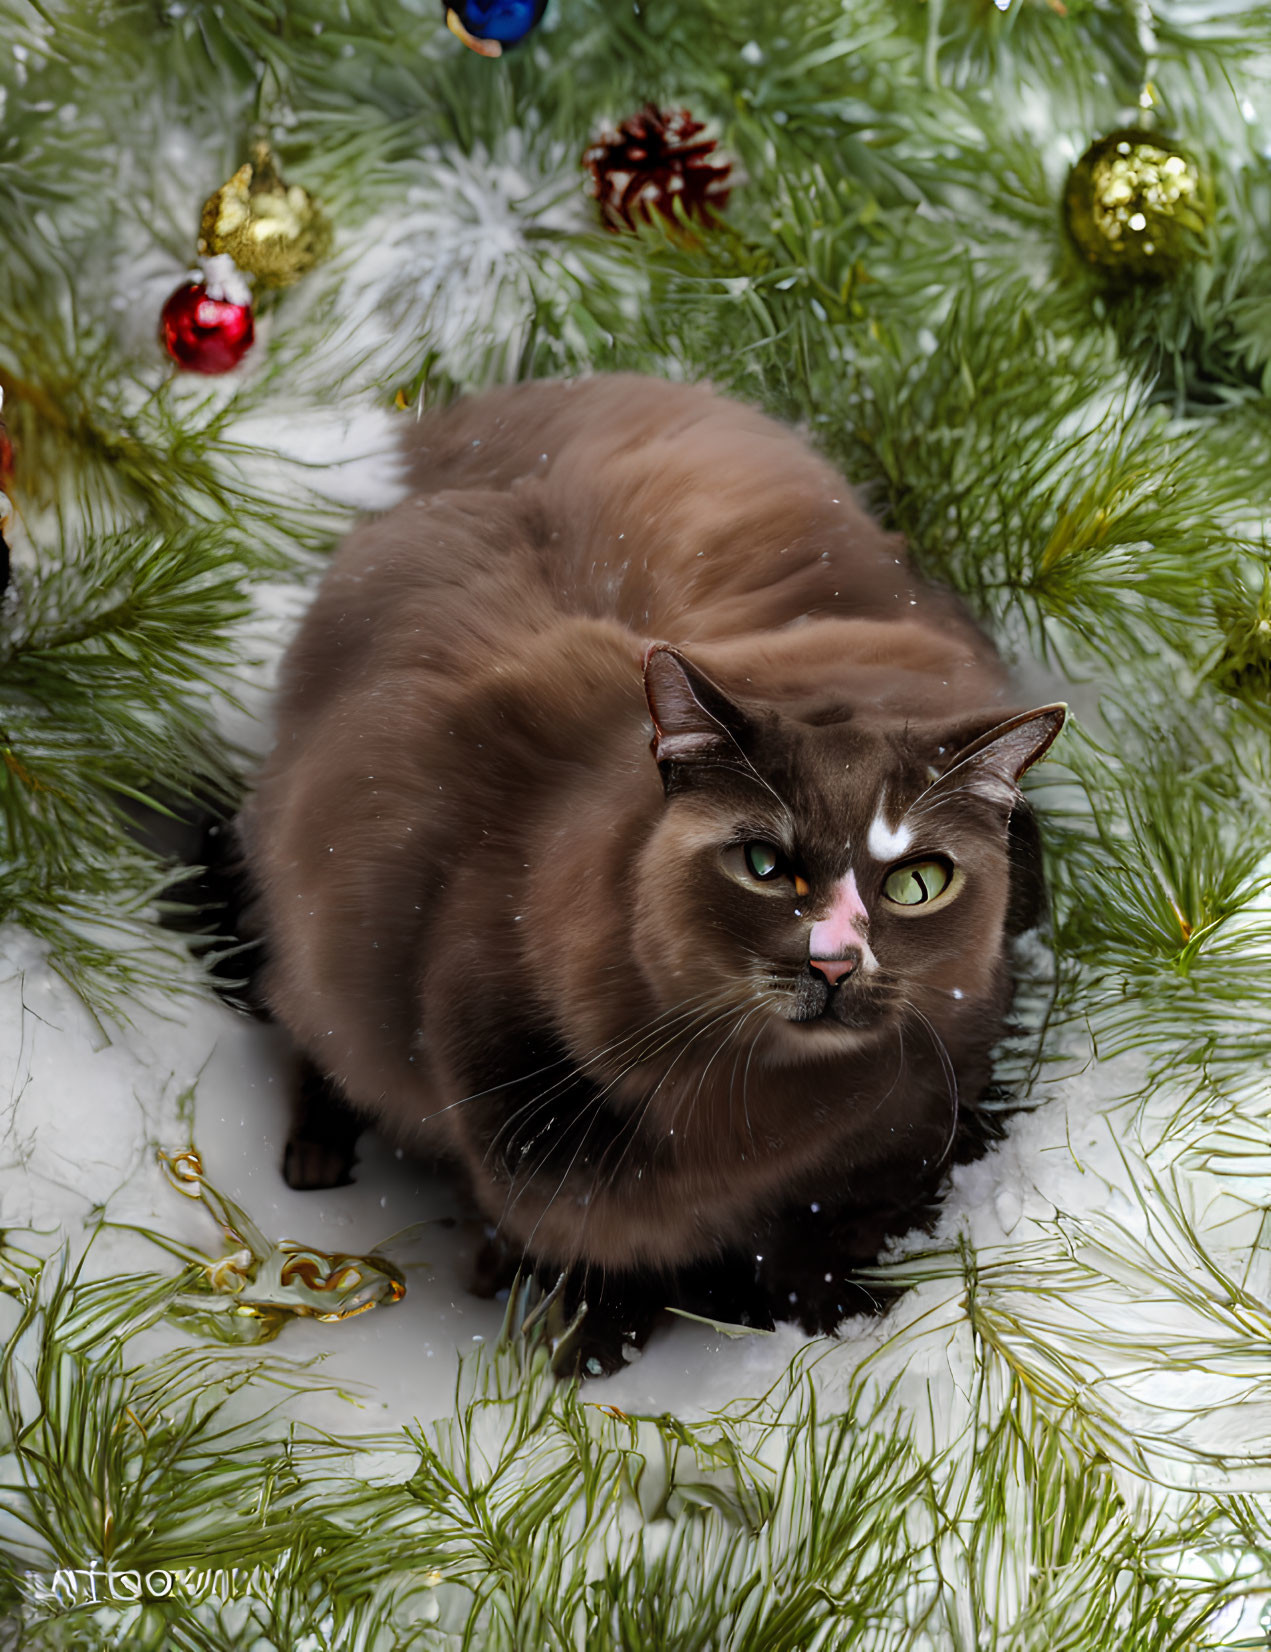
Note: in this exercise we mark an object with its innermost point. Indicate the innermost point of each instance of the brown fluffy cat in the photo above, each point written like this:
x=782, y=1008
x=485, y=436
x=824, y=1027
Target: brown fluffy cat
x=694, y=1021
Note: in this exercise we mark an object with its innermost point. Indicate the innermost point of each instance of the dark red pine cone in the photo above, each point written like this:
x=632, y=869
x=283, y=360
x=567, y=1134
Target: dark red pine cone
x=653, y=159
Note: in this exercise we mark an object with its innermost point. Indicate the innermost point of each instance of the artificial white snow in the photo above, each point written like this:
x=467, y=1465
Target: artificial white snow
x=463, y=258
x=80, y=1129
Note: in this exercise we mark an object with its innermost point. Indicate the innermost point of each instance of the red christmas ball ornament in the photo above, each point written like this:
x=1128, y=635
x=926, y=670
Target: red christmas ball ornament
x=207, y=330
x=653, y=160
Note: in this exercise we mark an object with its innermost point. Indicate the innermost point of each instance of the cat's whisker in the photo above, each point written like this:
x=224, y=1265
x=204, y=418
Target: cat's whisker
x=663, y=1028
x=732, y=1088
x=584, y=1061
x=751, y=1007
x=534, y=1106
x=523, y=1117
x=561, y=1061
x=745, y=1079
x=755, y=1010
x=478, y=1095
x=701, y=1031
x=511, y=1203
x=594, y=1108
x=660, y=1022
x=950, y=1076
x=639, y=1121
x=949, y=794
x=900, y=1067
x=747, y=770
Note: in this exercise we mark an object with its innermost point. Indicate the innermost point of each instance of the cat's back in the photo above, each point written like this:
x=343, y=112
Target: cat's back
x=663, y=509
x=560, y=526
x=671, y=509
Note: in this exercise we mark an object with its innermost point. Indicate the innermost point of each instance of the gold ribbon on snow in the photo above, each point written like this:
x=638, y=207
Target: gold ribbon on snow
x=250, y=1292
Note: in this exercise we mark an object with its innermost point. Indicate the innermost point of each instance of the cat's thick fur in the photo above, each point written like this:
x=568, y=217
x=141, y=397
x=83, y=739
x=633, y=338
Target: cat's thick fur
x=503, y=927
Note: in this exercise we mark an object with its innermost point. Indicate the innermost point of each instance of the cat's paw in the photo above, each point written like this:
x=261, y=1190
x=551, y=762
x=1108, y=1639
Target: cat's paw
x=309, y=1165
x=321, y=1149
x=496, y=1266
x=606, y=1332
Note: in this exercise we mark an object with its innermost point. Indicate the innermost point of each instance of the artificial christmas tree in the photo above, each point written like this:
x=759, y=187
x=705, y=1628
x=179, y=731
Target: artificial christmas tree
x=1054, y=1437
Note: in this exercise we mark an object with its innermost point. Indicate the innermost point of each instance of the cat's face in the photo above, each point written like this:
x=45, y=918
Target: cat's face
x=825, y=879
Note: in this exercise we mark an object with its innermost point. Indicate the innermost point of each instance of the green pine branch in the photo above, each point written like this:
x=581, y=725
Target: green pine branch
x=769, y=1527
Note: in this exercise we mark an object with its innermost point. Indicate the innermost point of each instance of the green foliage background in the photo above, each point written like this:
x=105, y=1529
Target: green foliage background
x=1091, y=467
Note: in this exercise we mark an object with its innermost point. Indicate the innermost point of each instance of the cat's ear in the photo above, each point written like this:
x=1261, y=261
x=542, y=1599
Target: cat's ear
x=993, y=763
x=694, y=721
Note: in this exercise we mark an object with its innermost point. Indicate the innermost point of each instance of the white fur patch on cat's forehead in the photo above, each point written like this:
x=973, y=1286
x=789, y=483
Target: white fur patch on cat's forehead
x=886, y=842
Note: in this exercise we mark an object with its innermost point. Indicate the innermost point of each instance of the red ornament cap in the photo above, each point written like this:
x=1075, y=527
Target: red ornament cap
x=654, y=159
x=205, y=334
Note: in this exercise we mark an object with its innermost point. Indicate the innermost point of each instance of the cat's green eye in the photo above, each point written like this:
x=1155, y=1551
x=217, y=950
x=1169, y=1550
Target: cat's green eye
x=918, y=882
x=763, y=861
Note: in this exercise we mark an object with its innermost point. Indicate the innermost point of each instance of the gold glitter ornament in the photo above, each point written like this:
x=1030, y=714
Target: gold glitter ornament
x=1135, y=205
x=272, y=231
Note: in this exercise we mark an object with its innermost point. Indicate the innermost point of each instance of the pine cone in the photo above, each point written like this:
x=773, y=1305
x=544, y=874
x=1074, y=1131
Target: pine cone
x=654, y=159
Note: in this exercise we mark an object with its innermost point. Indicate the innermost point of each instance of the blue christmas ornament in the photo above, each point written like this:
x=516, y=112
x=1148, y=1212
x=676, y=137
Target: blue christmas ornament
x=487, y=26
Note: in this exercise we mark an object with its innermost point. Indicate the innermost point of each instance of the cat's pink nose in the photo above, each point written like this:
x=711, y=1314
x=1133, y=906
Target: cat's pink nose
x=834, y=969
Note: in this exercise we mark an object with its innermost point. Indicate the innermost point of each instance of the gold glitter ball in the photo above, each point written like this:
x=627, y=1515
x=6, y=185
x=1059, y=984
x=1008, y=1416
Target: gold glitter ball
x=1136, y=205
x=272, y=231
